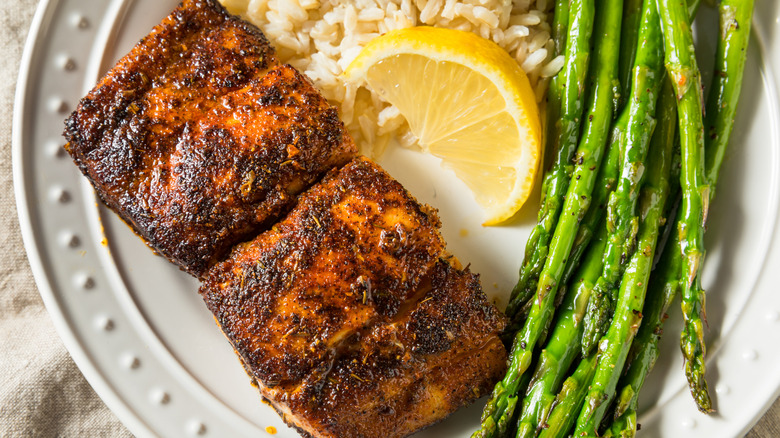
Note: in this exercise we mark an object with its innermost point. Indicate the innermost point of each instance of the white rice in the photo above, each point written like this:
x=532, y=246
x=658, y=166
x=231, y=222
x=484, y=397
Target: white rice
x=321, y=37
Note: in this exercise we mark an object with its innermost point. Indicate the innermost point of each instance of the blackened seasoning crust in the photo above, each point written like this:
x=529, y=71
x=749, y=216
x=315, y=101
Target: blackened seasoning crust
x=351, y=317
x=199, y=139
x=347, y=312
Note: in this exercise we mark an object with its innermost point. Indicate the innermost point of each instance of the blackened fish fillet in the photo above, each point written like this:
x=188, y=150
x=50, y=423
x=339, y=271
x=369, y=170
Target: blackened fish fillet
x=348, y=313
x=351, y=317
x=199, y=139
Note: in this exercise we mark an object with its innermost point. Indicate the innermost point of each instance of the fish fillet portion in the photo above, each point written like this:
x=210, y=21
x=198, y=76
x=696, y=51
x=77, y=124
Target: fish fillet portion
x=199, y=139
x=351, y=317
x=344, y=307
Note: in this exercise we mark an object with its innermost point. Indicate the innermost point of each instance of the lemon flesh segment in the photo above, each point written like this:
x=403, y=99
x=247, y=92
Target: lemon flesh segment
x=468, y=103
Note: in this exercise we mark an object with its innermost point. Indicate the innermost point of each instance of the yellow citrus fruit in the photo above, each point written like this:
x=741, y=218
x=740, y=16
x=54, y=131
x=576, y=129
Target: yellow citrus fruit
x=467, y=101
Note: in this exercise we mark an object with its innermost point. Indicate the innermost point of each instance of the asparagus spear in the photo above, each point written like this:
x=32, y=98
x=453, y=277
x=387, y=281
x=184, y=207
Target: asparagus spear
x=632, y=19
x=592, y=221
x=644, y=349
x=721, y=107
x=648, y=75
x=607, y=175
x=588, y=160
x=682, y=68
x=562, y=134
x=606, y=180
x=560, y=27
x=558, y=355
x=562, y=348
x=614, y=347
x=625, y=426
x=734, y=23
x=569, y=399
x=559, y=352
x=536, y=246
x=605, y=184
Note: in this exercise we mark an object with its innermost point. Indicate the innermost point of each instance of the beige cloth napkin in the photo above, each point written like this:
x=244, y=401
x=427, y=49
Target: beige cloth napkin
x=42, y=392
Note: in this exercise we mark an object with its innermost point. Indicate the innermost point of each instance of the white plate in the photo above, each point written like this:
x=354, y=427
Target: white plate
x=141, y=335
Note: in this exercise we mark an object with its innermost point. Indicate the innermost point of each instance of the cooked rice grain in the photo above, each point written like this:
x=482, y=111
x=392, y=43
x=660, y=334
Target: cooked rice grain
x=321, y=38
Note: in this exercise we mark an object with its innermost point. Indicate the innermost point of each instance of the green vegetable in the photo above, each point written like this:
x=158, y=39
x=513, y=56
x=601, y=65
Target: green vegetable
x=614, y=347
x=559, y=352
x=685, y=76
x=622, y=221
x=632, y=20
x=665, y=284
x=564, y=342
x=587, y=162
x=644, y=350
x=605, y=184
x=563, y=125
x=569, y=400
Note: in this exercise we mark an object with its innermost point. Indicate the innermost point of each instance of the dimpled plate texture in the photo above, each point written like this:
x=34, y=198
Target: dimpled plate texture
x=140, y=333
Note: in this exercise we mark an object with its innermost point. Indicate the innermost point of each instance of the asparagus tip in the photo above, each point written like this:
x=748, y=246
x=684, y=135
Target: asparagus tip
x=694, y=372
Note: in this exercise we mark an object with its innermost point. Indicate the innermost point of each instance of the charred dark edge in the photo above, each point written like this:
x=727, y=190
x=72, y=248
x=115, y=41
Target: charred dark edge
x=198, y=270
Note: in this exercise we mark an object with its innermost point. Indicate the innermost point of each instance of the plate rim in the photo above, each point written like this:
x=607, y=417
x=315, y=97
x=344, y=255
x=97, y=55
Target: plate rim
x=107, y=392
x=75, y=348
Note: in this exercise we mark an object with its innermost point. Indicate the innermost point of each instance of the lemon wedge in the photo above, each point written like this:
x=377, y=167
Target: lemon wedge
x=467, y=101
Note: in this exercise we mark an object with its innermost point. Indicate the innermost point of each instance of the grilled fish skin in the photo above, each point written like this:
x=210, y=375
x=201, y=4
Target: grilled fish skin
x=351, y=317
x=199, y=139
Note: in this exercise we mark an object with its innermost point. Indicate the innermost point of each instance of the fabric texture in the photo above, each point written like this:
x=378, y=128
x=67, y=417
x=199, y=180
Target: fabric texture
x=42, y=392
